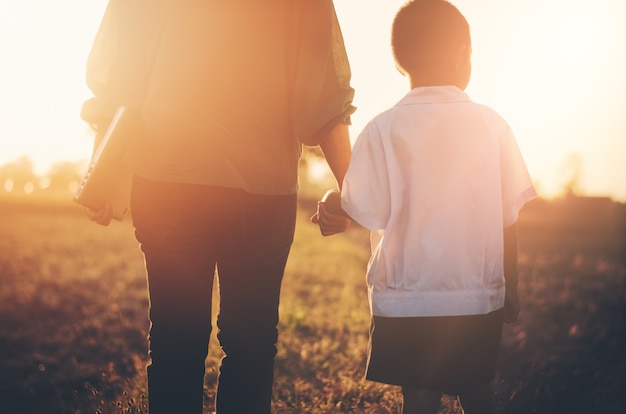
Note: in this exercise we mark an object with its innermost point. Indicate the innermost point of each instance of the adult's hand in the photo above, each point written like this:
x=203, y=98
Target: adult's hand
x=102, y=216
x=329, y=222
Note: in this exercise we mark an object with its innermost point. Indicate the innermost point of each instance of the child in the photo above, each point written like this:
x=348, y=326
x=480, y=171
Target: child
x=439, y=180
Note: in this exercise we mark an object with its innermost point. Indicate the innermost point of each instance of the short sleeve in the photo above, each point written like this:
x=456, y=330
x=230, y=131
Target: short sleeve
x=365, y=192
x=117, y=68
x=320, y=88
x=517, y=186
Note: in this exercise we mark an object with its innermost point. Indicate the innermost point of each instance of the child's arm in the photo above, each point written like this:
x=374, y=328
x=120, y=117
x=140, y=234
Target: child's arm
x=511, y=299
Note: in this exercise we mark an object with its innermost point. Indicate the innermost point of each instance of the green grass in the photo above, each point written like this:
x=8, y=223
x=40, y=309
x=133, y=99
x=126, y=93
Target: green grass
x=73, y=320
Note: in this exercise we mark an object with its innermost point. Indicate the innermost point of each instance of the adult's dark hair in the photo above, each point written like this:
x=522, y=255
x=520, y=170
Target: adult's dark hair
x=426, y=34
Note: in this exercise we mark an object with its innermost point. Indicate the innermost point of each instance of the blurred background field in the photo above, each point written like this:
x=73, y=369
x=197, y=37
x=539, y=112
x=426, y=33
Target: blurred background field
x=73, y=316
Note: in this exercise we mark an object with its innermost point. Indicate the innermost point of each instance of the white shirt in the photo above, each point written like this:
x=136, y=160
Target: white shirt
x=439, y=177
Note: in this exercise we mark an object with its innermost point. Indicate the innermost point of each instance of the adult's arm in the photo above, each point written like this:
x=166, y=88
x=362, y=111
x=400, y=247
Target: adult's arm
x=337, y=150
x=321, y=95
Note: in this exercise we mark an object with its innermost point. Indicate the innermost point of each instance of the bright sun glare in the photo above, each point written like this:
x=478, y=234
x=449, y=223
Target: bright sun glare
x=554, y=69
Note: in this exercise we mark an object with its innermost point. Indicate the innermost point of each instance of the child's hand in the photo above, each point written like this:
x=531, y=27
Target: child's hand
x=511, y=306
x=102, y=216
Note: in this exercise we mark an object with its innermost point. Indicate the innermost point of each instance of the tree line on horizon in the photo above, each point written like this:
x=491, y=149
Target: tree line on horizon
x=18, y=177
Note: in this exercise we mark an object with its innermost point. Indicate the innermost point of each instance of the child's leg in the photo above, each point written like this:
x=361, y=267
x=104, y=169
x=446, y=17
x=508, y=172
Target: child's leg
x=478, y=399
x=420, y=401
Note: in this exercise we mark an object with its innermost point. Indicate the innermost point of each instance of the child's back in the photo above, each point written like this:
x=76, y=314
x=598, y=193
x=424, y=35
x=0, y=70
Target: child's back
x=434, y=184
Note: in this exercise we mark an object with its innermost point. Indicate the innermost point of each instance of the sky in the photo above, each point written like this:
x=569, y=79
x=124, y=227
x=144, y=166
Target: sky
x=554, y=69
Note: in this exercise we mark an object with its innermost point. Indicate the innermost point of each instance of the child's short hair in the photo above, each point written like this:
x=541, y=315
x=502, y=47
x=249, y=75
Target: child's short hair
x=426, y=34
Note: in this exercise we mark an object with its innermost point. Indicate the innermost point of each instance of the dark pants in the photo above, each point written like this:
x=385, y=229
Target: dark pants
x=186, y=232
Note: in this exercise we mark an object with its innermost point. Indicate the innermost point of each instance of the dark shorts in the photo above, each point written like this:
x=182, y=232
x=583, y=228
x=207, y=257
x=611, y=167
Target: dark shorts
x=444, y=353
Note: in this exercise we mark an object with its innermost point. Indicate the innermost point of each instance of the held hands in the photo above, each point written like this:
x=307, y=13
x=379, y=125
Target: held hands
x=330, y=216
x=102, y=216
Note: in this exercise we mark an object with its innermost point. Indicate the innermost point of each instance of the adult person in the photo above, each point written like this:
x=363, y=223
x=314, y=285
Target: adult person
x=227, y=93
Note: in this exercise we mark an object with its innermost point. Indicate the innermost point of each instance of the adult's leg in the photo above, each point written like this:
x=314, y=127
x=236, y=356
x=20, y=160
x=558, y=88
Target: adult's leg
x=420, y=401
x=478, y=399
x=180, y=314
x=250, y=265
x=180, y=272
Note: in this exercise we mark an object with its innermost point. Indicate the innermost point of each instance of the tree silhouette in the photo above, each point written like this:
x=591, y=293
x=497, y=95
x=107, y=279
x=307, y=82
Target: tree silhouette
x=572, y=171
x=64, y=175
x=18, y=176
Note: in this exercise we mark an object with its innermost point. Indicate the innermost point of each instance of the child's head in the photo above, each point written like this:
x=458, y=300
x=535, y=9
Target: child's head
x=431, y=43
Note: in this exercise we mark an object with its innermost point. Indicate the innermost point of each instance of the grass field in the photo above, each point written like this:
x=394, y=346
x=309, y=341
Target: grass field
x=73, y=318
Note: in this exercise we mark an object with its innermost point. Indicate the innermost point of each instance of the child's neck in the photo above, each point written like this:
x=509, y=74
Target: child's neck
x=443, y=80
x=425, y=85
x=417, y=82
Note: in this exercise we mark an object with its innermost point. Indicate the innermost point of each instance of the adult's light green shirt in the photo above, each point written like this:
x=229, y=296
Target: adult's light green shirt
x=228, y=91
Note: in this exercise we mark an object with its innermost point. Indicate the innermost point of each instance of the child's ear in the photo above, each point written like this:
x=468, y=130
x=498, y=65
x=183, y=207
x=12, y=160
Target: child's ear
x=463, y=65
